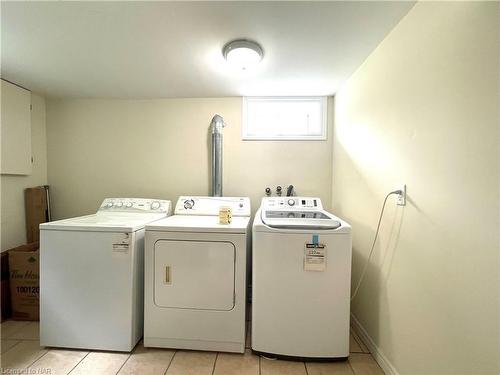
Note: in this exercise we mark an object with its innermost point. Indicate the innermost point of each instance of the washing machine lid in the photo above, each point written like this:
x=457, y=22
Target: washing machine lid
x=116, y=215
x=103, y=223
x=203, y=224
x=299, y=219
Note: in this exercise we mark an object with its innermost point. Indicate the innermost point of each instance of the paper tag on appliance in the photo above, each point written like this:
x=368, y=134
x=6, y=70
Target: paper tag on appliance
x=314, y=257
x=120, y=247
x=121, y=244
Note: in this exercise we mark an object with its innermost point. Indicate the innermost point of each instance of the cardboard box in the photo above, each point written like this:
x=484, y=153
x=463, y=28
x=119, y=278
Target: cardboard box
x=35, y=200
x=5, y=307
x=24, y=266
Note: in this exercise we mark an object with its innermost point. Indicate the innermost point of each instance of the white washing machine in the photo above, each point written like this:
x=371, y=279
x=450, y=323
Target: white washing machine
x=195, y=276
x=91, y=276
x=301, y=280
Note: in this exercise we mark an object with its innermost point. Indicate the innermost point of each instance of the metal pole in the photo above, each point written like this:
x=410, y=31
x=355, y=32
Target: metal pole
x=217, y=125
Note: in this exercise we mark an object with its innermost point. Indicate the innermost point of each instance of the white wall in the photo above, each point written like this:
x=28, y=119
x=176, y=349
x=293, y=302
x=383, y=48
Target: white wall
x=160, y=148
x=13, y=210
x=423, y=110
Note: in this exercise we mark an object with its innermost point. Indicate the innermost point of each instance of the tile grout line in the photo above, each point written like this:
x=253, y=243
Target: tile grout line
x=171, y=360
x=350, y=366
x=17, y=343
x=215, y=362
x=44, y=354
x=26, y=322
x=80, y=361
x=260, y=366
x=123, y=364
x=305, y=368
x=29, y=323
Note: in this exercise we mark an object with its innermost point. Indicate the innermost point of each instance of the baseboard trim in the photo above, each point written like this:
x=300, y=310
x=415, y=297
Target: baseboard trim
x=376, y=352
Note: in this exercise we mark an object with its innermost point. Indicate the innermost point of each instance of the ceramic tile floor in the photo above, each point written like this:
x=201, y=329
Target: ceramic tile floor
x=20, y=349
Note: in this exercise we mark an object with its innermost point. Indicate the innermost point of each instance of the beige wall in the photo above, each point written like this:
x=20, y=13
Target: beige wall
x=160, y=148
x=423, y=110
x=12, y=212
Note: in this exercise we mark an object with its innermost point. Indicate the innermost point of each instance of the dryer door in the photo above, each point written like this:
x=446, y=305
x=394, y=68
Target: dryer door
x=194, y=274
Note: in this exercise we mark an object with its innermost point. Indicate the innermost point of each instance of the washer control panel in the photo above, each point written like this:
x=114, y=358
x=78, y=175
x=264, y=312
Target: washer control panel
x=210, y=206
x=135, y=205
x=295, y=203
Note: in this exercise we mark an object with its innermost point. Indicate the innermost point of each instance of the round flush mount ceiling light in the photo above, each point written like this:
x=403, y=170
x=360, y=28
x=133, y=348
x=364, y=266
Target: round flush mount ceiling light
x=242, y=53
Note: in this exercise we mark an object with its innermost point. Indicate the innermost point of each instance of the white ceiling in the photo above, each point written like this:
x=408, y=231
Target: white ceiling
x=173, y=49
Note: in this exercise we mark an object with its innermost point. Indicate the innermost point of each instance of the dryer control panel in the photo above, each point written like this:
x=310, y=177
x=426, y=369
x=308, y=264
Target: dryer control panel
x=291, y=203
x=210, y=206
x=135, y=205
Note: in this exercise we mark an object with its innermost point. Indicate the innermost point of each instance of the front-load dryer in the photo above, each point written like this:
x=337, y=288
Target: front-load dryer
x=92, y=276
x=195, y=272
x=301, y=274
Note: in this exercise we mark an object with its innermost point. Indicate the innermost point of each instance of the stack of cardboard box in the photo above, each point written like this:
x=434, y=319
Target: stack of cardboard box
x=20, y=266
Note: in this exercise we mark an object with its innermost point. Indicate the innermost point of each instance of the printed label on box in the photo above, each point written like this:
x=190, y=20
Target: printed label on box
x=24, y=281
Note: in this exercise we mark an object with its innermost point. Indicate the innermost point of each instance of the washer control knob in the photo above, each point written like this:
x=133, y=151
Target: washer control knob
x=241, y=205
x=119, y=204
x=188, y=204
x=291, y=202
x=129, y=205
x=155, y=205
x=110, y=204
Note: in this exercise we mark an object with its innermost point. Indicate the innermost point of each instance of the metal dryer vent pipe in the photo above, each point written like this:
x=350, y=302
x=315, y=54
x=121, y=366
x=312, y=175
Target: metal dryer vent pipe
x=217, y=125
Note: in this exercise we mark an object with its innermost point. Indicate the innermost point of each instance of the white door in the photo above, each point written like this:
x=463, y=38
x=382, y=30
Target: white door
x=194, y=274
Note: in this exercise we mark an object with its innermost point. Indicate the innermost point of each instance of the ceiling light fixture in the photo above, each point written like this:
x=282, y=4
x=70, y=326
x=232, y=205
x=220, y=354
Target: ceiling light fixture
x=242, y=53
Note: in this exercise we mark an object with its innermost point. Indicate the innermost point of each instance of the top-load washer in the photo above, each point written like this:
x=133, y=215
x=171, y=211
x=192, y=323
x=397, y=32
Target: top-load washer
x=195, y=276
x=91, y=276
x=301, y=280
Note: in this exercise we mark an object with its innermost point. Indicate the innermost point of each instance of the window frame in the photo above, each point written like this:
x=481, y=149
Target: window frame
x=323, y=100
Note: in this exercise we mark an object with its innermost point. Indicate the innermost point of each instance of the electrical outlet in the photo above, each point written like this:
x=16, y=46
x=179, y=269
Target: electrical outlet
x=401, y=201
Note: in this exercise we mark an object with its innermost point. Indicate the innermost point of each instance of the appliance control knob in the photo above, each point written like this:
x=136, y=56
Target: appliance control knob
x=119, y=204
x=188, y=204
x=241, y=205
x=291, y=202
x=109, y=205
x=155, y=205
x=129, y=205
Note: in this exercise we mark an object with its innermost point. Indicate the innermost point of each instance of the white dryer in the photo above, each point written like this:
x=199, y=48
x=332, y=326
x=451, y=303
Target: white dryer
x=301, y=280
x=91, y=276
x=195, y=276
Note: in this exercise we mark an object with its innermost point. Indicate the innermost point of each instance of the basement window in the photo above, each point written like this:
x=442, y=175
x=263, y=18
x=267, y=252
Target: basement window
x=284, y=118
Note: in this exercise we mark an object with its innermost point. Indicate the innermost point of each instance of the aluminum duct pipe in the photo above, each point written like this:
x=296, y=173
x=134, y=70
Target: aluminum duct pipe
x=217, y=125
